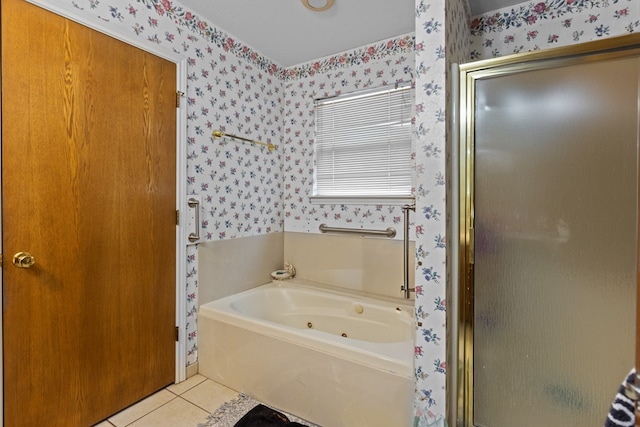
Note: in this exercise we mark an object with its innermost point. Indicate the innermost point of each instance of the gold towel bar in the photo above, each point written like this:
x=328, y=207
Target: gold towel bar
x=220, y=134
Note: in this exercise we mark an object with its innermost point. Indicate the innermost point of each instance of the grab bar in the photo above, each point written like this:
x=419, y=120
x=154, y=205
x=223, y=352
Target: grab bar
x=193, y=203
x=405, y=287
x=389, y=232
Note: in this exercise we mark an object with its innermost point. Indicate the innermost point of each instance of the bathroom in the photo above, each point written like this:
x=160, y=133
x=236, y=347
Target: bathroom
x=255, y=203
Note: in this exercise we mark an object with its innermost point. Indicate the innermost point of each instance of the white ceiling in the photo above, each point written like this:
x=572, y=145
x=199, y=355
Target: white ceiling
x=290, y=34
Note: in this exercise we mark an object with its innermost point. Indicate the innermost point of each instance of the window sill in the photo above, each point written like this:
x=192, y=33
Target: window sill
x=362, y=200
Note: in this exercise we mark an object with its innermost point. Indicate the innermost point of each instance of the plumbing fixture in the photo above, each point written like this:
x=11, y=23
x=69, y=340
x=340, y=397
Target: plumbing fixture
x=290, y=269
x=318, y=6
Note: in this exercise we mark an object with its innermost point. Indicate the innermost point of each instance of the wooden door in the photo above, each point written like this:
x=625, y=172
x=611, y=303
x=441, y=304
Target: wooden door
x=88, y=188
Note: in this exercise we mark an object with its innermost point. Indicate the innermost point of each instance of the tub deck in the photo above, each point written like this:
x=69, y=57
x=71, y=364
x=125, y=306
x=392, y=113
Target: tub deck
x=317, y=375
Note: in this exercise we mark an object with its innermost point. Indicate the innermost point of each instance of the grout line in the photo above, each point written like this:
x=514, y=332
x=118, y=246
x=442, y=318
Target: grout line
x=204, y=409
x=150, y=412
x=184, y=400
x=178, y=396
x=197, y=406
x=217, y=407
x=190, y=388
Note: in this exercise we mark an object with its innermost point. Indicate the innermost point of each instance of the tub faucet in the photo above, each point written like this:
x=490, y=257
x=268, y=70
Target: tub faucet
x=290, y=269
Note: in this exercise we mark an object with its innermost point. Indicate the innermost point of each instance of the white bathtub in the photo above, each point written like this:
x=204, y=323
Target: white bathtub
x=331, y=357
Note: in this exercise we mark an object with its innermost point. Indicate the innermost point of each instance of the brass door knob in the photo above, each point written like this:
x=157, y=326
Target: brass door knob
x=23, y=260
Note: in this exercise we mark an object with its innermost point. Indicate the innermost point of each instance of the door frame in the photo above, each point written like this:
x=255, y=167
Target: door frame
x=119, y=33
x=460, y=351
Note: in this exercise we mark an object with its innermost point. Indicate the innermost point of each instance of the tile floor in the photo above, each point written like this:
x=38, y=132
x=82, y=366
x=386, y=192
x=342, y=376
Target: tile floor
x=180, y=405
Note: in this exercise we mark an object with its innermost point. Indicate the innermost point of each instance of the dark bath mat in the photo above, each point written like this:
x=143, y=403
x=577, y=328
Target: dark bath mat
x=231, y=412
x=263, y=416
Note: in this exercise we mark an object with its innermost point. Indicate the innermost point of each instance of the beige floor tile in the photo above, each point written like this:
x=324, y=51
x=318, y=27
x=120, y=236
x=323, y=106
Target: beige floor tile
x=104, y=424
x=209, y=395
x=142, y=408
x=187, y=384
x=176, y=413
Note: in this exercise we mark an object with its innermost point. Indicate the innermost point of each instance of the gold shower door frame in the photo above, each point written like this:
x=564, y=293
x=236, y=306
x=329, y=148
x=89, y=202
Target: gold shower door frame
x=461, y=398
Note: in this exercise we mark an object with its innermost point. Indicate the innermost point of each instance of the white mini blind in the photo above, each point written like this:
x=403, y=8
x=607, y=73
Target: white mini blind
x=363, y=144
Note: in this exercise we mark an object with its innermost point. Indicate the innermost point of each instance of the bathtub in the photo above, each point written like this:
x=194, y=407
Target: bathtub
x=332, y=357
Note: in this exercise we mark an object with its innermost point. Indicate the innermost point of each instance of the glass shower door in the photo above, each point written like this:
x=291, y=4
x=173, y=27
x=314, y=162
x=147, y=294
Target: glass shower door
x=555, y=210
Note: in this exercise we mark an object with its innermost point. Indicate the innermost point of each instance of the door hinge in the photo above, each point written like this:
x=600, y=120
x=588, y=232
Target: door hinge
x=177, y=217
x=177, y=334
x=178, y=96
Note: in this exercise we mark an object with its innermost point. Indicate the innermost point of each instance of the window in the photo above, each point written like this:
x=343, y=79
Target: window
x=363, y=146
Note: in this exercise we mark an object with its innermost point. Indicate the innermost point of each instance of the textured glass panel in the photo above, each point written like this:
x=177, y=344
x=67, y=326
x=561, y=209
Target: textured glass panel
x=555, y=221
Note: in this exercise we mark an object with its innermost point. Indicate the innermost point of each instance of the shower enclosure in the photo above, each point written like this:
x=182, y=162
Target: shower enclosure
x=548, y=234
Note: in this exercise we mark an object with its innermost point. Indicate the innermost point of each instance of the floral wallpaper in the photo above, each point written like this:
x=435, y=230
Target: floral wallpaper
x=377, y=65
x=248, y=190
x=442, y=37
x=430, y=217
x=541, y=25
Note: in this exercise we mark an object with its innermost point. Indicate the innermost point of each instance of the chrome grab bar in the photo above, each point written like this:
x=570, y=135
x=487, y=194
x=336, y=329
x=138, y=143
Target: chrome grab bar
x=193, y=203
x=389, y=232
x=405, y=287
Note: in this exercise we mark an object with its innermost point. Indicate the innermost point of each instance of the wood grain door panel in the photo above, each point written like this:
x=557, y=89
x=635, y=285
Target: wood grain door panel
x=88, y=187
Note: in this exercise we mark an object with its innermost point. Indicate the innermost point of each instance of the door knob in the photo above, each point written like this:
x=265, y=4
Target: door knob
x=23, y=260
